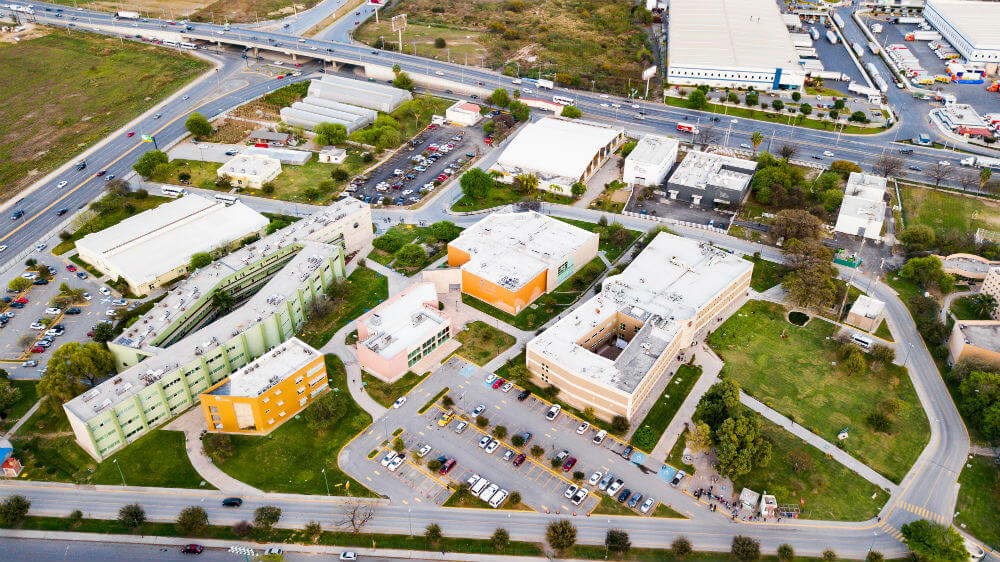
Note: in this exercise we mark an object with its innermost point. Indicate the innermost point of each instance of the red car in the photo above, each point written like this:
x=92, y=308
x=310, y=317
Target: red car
x=38, y=349
x=192, y=549
x=90, y=334
x=447, y=466
x=498, y=383
x=569, y=464
x=519, y=460
x=70, y=267
x=102, y=172
x=488, y=141
x=298, y=64
x=21, y=300
x=130, y=134
x=432, y=127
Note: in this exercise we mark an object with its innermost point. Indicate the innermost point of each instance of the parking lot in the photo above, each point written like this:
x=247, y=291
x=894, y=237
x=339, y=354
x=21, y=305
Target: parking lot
x=405, y=180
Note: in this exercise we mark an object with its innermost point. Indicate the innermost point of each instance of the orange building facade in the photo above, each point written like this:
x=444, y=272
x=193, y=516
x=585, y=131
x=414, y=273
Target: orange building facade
x=267, y=392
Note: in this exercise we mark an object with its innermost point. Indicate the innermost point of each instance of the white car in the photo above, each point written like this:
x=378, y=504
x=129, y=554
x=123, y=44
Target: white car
x=595, y=478
x=570, y=491
x=490, y=379
x=944, y=162
x=3, y=247
x=583, y=428
x=40, y=247
x=746, y=146
x=52, y=332
x=526, y=90
x=348, y=555
x=312, y=48
x=30, y=275
x=604, y=96
x=105, y=291
x=406, y=192
x=110, y=312
x=492, y=447
x=37, y=326
x=52, y=311
x=87, y=296
x=484, y=441
x=613, y=489
x=498, y=498
x=461, y=427
x=62, y=184
x=274, y=550
x=388, y=458
x=439, y=73
x=507, y=386
x=423, y=451
x=644, y=508
x=488, y=492
x=302, y=40
x=604, y=105
x=396, y=463
x=553, y=412
x=580, y=495
x=399, y=402
x=828, y=154
x=278, y=63
x=479, y=409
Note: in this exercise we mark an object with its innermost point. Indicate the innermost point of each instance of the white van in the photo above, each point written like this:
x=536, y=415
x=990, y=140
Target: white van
x=498, y=499
x=479, y=486
x=488, y=492
x=599, y=438
x=472, y=480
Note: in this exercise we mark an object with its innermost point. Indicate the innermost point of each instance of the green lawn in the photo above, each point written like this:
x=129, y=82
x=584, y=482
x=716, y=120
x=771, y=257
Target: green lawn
x=28, y=398
x=656, y=421
x=790, y=368
x=664, y=511
x=203, y=174
x=75, y=258
x=608, y=506
x=828, y=489
x=385, y=393
x=482, y=342
x=947, y=212
x=290, y=458
x=365, y=290
x=463, y=498
x=611, y=250
x=102, y=84
x=904, y=287
x=766, y=274
x=768, y=117
x=676, y=455
x=883, y=331
x=978, y=503
x=108, y=217
x=962, y=308
x=503, y=194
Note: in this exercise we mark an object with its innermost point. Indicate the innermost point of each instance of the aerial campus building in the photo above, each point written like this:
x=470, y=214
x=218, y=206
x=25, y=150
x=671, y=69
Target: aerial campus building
x=189, y=342
x=156, y=246
x=559, y=151
x=610, y=352
x=970, y=27
x=866, y=313
x=975, y=339
x=650, y=161
x=862, y=211
x=731, y=44
x=395, y=335
x=351, y=103
x=711, y=180
x=250, y=170
x=508, y=260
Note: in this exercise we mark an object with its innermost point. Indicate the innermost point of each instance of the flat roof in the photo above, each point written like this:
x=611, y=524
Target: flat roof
x=704, y=169
x=653, y=150
x=664, y=287
x=726, y=34
x=984, y=335
x=512, y=248
x=256, y=377
x=250, y=163
x=867, y=307
x=465, y=106
x=977, y=21
x=402, y=321
x=555, y=147
x=145, y=246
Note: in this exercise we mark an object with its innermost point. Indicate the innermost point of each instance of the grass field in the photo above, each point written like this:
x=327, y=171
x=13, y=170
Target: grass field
x=503, y=194
x=290, y=458
x=963, y=309
x=408, y=234
x=365, y=290
x=28, y=398
x=791, y=369
x=676, y=455
x=101, y=85
x=665, y=408
x=945, y=211
x=766, y=274
x=883, y=331
x=978, y=503
x=828, y=489
x=482, y=342
x=107, y=217
x=385, y=393
x=203, y=174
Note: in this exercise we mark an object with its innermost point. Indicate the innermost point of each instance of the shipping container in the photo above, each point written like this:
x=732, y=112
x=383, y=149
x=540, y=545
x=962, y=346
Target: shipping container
x=858, y=49
x=831, y=36
x=873, y=47
x=838, y=20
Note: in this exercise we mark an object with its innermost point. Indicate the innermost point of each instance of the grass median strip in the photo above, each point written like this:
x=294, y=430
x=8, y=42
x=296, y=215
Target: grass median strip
x=431, y=402
x=656, y=421
x=386, y=393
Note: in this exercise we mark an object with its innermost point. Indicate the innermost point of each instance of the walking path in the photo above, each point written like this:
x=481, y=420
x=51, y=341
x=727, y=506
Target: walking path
x=192, y=424
x=822, y=444
x=31, y=411
x=946, y=306
x=711, y=365
x=348, y=356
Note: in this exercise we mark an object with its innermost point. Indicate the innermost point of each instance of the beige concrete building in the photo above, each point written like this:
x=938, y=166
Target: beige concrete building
x=610, y=352
x=977, y=339
x=253, y=170
x=991, y=286
x=866, y=313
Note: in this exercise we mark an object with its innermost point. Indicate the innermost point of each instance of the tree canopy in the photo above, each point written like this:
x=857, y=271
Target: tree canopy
x=74, y=367
x=148, y=162
x=476, y=183
x=933, y=541
x=571, y=111
x=330, y=133
x=198, y=126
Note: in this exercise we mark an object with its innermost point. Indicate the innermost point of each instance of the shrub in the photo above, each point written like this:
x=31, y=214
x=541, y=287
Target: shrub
x=242, y=528
x=13, y=510
x=132, y=516
x=619, y=424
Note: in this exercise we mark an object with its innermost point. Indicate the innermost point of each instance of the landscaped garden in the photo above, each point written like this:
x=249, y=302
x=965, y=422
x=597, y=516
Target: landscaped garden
x=482, y=342
x=651, y=428
x=386, y=393
x=408, y=248
x=363, y=290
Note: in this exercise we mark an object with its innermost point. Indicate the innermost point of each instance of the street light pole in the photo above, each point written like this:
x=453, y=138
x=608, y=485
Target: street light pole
x=120, y=473
x=327, y=482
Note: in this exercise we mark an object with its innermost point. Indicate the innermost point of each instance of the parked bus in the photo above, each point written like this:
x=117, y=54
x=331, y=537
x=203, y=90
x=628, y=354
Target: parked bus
x=227, y=199
x=563, y=100
x=864, y=341
x=173, y=191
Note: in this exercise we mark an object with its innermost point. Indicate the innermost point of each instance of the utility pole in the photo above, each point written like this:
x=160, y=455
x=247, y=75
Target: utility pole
x=326, y=481
x=120, y=473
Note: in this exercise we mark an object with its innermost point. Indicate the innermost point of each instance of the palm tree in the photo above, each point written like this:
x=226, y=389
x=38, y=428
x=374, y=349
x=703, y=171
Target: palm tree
x=755, y=139
x=984, y=305
x=984, y=176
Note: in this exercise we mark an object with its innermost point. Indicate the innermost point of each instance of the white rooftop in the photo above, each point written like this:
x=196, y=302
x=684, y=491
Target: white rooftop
x=256, y=377
x=652, y=150
x=403, y=321
x=147, y=245
x=664, y=287
x=867, y=307
x=555, y=147
x=249, y=163
x=703, y=169
x=728, y=34
x=511, y=249
x=977, y=21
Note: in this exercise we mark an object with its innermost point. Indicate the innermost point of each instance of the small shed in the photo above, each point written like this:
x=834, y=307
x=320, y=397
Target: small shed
x=332, y=155
x=749, y=499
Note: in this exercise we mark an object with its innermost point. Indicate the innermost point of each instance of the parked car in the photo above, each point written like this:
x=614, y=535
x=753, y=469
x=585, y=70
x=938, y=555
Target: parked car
x=461, y=427
x=192, y=549
x=579, y=496
x=388, y=458
x=677, y=478
x=568, y=465
x=492, y=447
x=553, y=412
x=570, y=491
x=646, y=505
x=595, y=478
x=396, y=463
x=479, y=409
x=615, y=487
x=423, y=451
x=603, y=485
x=232, y=502
x=523, y=395
x=484, y=441
x=624, y=495
x=399, y=402
x=519, y=460
x=627, y=453
x=583, y=427
x=447, y=466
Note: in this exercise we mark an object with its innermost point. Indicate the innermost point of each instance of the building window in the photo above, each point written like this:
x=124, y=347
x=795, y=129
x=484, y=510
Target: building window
x=280, y=402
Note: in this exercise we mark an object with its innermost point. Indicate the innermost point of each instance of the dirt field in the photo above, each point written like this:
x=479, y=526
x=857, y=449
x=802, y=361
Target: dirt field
x=89, y=86
x=587, y=40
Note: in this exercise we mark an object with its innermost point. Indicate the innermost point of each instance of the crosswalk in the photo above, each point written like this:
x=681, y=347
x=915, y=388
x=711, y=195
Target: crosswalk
x=925, y=513
x=891, y=531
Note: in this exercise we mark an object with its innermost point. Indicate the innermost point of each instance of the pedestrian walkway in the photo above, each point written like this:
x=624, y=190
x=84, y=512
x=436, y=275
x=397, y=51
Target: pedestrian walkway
x=349, y=357
x=946, y=306
x=397, y=281
x=711, y=366
x=822, y=444
x=31, y=411
x=192, y=424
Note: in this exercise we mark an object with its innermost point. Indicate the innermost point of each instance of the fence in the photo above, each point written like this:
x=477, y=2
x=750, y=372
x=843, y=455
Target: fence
x=676, y=222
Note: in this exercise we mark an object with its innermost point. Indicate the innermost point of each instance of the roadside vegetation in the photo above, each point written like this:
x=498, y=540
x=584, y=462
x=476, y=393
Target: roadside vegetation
x=977, y=506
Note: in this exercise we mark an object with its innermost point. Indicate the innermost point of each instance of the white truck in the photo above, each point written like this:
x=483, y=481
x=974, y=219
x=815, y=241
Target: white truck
x=127, y=15
x=831, y=36
x=838, y=20
x=547, y=84
x=982, y=162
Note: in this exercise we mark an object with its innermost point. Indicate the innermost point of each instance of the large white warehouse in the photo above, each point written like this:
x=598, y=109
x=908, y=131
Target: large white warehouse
x=351, y=103
x=731, y=43
x=559, y=151
x=973, y=28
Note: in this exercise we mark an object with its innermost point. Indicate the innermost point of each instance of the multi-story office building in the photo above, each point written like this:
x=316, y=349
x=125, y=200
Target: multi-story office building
x=609, y=353
x=991, y=286
x=266, y=392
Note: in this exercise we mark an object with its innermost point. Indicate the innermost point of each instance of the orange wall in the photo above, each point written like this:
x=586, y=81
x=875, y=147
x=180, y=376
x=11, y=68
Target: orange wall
x=508, y=301
x=456, y=257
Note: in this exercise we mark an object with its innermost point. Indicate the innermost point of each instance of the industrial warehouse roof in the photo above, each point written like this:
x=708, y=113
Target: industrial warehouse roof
x=727, y=34
x=653, y=150
x=256, y=377
x=404, y=321
x=554, y=147
x=664, y=286
x=702, y=169
x=143, y=247
x=977, y=21
x=511, y=249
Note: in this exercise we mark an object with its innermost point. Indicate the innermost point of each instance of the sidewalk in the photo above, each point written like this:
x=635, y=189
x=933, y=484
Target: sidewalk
x=822, y=444
x=192, y=424
x=711, y=366
x=31, y=411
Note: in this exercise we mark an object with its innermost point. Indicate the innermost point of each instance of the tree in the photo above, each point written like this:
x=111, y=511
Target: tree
x=403, y=81
x=797, y=223
x=786, y=553
x=578, y=189
x=811, y=287
x=519, y=110
x=756, y=139
x=148, y=162
x=619, y=424
x=411, y=255
x=858, y=117
x=500, y=538
x=787, y=151
x=984, y=176
x=796, y=96
x=440, y=43
x=700, y=439
x=934, y=541
x=354, y=515
x=778, y=105
x=681, y=547
x=200, y=260
x=829, y=555
x=313, y=530
x=617, y=542
x=697, y=100
x=740, y=446
x=330, y=133
x=874, y=556
x=983, y=304
x=433, y=533
x=192, y=521
x=939, y=172
x=9, y=394
x=571, y=111
x=924, y=271
x=132, y=516
x=500, y=431
x=720, y=401
x=561, y=534
x=265, y=516
x=856, y=363
x=218, y=446
x=805, y=109
x=19, y=284
x=476, y=183
x=918, y=238
x=981, y=401
x=398, y=445
x=500, y=97
x=887, y=165
x=517, y=440
x=198, y=126
x=745, y=548
x=537, y=451
x=326, y=411
x=844, y=168
x=242, y=528
x=13, y=510
x=525, y=183
x=445, y=231
x=103, y=332
x=74, y=367
x=482, y=421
